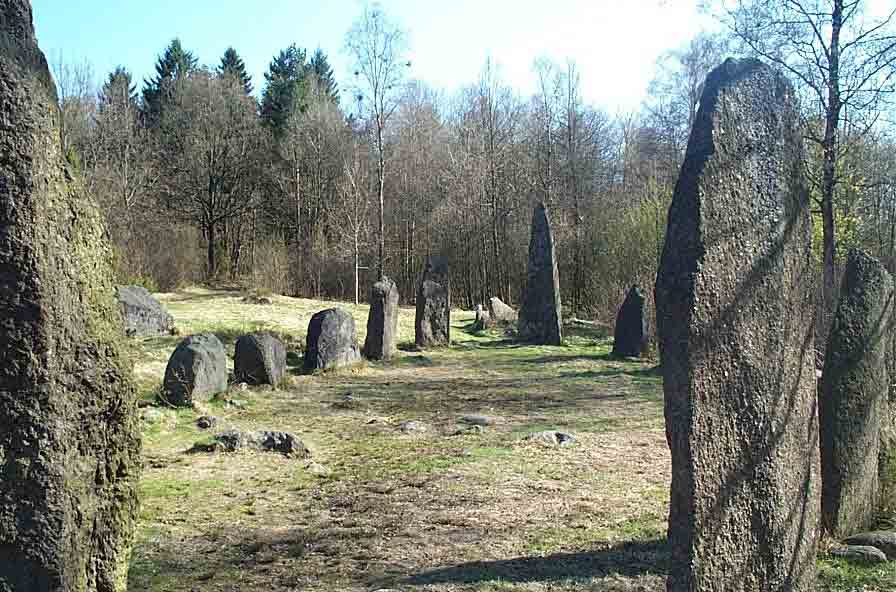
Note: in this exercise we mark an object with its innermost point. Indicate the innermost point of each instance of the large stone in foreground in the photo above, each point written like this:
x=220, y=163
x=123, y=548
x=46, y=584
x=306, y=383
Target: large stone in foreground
x=69, y=439
x=259, y=358
x=381, y=341
x=332, y=341
x=735, y=317
x=196, y=370
x=540, y=316
x=143, y=315
x=630, y=333
x=432, y=323
x=853, y=395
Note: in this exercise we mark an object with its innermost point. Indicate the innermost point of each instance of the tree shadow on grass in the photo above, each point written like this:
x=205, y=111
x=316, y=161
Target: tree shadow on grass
x=629, y=559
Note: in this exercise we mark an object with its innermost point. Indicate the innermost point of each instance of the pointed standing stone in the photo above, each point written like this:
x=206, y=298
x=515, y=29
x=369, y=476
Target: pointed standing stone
x=630, y=334
x=69, y=439
x=540, y=316
x=735, y=316
x=381, y=341
x=432, y=324
x=853, y=395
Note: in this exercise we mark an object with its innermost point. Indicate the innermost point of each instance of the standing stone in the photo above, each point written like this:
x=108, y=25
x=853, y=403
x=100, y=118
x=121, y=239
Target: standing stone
x=854, y=397
x=196, y=370
x=540, y=317
x=630, y=335
x=735, y=317
x=143, y=315
x=331, y=341
x=259, y=358
x=69, y=439
x=432, y=324
x=500, y=312
x=381, y=341
x=482, y=319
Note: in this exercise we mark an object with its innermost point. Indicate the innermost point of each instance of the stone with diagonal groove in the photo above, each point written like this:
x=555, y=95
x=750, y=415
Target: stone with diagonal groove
x=69, y=435
x=735, y=320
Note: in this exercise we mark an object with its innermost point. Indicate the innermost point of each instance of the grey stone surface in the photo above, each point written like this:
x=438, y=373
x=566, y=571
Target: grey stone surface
x=500, y=312
x=432, y=323
x=733, y=296
x=331, y=341
x=482, y=319
x=853, y=396
x=540, y=317
x=630, y=333
x=381, y=341
x=266, y=441
x=259, y=358
x=143, y=315
x=860, y=554
x=553, y=438
x=196, y=370
x=885, y=540
x=69, y=430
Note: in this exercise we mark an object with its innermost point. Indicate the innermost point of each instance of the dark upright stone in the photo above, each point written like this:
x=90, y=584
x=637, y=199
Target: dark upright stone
x=143, y=314
x=630, y=335
x=69, y=439
x=381, y=341
x=854, y=397
x=432, y=324
x=197, y=369
x=735, y=316
x=331, y=341
x=259, y=358
x=540, y=316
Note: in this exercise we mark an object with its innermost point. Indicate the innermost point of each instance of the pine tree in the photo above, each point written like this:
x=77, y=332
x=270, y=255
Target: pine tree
x=118, y=87
x=174, y=64
x=321, y=68
x=232, y=65
x=284, y=89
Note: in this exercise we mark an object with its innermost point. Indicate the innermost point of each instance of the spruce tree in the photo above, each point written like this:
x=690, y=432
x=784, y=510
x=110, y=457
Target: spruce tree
x=232, y=65
x=321, y=68
x=174, y=64
x=118, y=87
x=284, y=89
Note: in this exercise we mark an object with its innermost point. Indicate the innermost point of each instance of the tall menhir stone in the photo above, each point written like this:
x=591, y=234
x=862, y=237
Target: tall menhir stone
x=432, y=323
x=735, y=320
x=854, y=397
x=69, y=445
x=381, y=341
x=540, y=318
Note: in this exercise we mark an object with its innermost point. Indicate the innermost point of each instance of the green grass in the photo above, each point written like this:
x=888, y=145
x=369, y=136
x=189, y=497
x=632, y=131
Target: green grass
x=441, y=510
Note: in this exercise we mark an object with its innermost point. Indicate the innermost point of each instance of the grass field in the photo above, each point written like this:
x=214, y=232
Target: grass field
x=449, y=508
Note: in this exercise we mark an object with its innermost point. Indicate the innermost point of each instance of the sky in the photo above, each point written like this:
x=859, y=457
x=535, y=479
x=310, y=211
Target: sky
x=615, y=43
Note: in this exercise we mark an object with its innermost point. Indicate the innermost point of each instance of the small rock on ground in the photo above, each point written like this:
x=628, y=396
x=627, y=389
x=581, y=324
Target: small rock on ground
x=860, y=554
x=552, y=438
x=269, y=441
x=409, y=427
x=480, y=420
x=206, y=422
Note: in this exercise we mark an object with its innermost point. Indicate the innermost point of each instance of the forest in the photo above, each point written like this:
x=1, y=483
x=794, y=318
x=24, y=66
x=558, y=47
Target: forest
x=308, y=189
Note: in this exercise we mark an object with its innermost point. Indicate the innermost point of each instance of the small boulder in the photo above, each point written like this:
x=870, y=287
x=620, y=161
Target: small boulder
x=260, y=358
x=884, y=540
x=196, y=370
x=552, y=438
x=206, y=422
x=411, y=427
x=860, y=554
x=332, y=341
x=266, y=441
x=257, y=300
x=501, y=313
x=480, y=420
x=143, y=315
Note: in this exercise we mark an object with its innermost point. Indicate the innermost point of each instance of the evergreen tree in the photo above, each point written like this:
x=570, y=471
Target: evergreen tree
x=321, y=68
x=232, y=65
x=175, y=63
x=284, y=89
x=118, y=87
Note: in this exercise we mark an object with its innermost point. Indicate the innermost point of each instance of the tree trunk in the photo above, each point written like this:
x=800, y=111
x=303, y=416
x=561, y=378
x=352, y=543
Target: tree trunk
x=829, y=163
x=357, y=270
x=210, y=237
x=381, y=174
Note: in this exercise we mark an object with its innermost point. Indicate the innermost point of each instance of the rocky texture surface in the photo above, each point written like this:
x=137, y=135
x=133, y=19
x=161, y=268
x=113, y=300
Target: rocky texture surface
x=630, y=334
x=735, y=318
x=853, y=396
x=259, y=358
x=266, y=441
x=432, y=323
x=69, y=433
x=860, y=554
x=381, y=341
x=500, y=312
x=143, y=315
x=196, y=370
x=540, y=316
x=885, y=540
x=331, y=341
